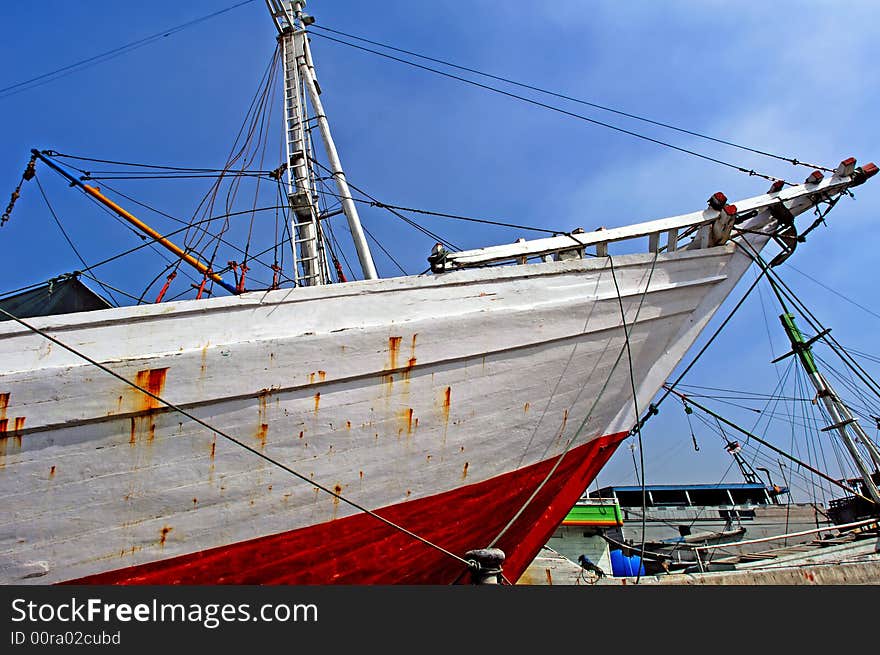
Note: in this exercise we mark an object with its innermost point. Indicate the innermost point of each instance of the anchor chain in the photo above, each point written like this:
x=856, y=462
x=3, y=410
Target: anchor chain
x=28, y=175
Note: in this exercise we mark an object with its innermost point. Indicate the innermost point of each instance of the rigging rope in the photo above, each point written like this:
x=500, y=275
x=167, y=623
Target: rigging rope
x=583, y=423
x=484, y=221
x=669, y=388
x=767, y=444
x=406, y=220
x=67, y=237
x=632, y=381
x=261, y=174
x=791, y=160
x=151, y=240
x=58, y=73
x=190, y=223
x=777, y=282
x=741, y=169
x=835, y=292
x=183, y=169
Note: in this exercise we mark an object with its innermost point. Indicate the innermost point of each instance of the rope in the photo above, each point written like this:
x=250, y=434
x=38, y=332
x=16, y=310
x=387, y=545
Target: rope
x=837, y=293
x=544, y=105
x=383, y=249
x=632, y=381
x=750, y=435
x=149, y=242
x=583, y=423
x=189, y=224
x=835, y=346
x=669, y=388
x=51, y=76
x=185, y=169
x=406, y=220
x=232, y=439
x=67, y=237
x=791, y=160
x=485, y=221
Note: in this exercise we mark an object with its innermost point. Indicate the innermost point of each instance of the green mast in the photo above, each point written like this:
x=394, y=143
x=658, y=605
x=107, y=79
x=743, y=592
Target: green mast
x=843, y=420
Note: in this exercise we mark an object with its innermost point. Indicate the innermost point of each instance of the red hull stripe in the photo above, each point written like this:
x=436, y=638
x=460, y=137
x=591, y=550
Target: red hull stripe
x=361, y=550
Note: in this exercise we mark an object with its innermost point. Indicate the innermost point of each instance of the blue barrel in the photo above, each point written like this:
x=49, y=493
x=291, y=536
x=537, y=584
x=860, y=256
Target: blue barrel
x=636, y=565
x=625, y=567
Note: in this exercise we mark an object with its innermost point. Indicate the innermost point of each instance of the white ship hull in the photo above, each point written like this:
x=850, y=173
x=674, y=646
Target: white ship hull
x=390, y=392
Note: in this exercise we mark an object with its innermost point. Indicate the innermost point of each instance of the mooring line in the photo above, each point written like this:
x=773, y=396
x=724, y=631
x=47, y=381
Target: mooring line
x=583, y=423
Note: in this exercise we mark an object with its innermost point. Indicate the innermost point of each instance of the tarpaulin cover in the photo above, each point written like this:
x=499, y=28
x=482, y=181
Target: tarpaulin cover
x=63, y=296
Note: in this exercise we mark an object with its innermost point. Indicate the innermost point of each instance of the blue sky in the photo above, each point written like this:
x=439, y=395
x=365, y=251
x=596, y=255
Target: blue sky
x=794, y=78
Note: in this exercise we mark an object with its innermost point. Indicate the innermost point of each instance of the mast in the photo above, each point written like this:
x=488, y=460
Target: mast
x=843, y=420
x=299, y=82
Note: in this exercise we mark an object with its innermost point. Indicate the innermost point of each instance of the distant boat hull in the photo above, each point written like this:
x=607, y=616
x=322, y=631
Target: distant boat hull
x=441, y=402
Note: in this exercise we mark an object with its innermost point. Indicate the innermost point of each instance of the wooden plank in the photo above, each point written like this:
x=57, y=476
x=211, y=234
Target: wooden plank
x=671, y=240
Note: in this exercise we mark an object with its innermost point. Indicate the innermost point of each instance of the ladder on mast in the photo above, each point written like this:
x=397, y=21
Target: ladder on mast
x=310, y=263
x=307, y=266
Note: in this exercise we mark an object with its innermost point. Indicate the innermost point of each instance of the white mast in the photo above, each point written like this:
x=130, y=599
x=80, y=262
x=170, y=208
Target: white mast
x=299, y=82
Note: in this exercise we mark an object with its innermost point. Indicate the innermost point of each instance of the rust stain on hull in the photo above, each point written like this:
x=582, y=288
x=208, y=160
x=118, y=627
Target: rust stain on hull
x=393, y=363
x=445, y=406
x=163, y=535
x=562, y=427
x=464, y=471
x=406, y=421
x=338, y=490
x=129, y=551
x=262, y=421
x=153, y=381
x=213, y=453
x=52, y=472
x=447, y=403
x=393, y=352
x=6, y=434
x=317, y=401
x=17, y=428
x=412, y=352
